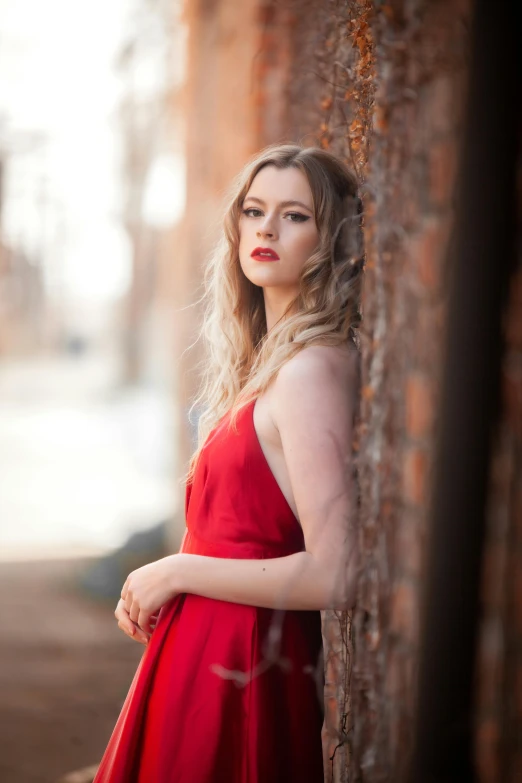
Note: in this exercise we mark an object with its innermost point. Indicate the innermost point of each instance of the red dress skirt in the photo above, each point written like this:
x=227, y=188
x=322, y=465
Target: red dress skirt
x=226, y=692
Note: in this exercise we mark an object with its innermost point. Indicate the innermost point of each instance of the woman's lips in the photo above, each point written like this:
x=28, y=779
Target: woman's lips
x=264, y=254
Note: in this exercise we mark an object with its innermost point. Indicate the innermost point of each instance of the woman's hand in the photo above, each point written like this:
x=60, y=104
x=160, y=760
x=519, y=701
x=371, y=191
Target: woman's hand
x=145, y=591
x=126, y=625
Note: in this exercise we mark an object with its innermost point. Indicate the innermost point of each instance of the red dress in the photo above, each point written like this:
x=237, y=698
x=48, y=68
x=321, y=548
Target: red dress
x=226, y=692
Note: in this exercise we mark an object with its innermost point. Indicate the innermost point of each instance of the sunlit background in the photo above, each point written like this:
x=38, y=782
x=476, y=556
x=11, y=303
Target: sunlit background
x=86, y=410
x=92, y=191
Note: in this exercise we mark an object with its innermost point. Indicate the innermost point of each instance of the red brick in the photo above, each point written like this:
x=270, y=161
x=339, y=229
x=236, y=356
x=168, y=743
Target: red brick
x=407, y=546
x=394, y=684
x=414, y=476
x=419, y=406
x=410, y=211
x=332, y=717
x=425, y=253
x=404, y=611
x=438, y=105
x=442, y=159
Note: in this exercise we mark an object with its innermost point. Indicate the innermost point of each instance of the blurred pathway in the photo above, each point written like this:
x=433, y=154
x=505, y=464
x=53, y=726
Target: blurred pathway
x=64, y=671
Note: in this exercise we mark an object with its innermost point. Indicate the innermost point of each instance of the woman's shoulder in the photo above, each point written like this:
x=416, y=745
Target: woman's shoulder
x=317, y=362
x=319, y=371
x=318, y=385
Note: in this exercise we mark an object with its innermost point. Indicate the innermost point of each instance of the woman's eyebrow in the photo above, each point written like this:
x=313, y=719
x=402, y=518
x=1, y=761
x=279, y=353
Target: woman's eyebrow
x=281, y=203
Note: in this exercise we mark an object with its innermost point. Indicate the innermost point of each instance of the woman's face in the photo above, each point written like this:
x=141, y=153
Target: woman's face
x=277, y=228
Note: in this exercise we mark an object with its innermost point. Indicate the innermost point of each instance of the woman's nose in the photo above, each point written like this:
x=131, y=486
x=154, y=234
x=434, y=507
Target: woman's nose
x=266, y=229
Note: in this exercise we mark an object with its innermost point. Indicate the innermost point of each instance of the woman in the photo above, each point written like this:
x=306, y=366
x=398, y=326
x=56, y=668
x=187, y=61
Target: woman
x=230, y=685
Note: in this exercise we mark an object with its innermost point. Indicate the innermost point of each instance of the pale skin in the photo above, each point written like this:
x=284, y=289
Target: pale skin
x=304, y=425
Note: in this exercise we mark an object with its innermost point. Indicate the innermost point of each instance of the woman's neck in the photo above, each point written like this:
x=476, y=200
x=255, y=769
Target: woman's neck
x=277, y=301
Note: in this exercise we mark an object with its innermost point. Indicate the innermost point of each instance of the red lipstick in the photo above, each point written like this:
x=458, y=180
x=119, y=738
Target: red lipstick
x=264, y=254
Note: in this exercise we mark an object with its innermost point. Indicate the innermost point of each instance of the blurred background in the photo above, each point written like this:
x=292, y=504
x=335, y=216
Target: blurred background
x=122, y=125
x=90, y=176
x=91, y=179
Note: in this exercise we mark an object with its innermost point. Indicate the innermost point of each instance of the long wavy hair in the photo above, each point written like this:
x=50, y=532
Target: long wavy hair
x=242, y=358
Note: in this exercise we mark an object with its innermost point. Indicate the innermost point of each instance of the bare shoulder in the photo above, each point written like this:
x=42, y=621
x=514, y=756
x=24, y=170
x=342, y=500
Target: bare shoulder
x=320, y=365
x=320, y=381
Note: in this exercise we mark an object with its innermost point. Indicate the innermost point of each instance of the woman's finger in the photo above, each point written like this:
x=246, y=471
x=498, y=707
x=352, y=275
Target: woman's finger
x=126, y=625
x=124, y=622
x=134, y=613
x=127, y=602
x=138, y=635
x=144, y=621
x=122, y=615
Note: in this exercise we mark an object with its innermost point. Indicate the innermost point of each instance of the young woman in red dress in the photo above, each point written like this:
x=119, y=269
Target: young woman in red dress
x=229, y=688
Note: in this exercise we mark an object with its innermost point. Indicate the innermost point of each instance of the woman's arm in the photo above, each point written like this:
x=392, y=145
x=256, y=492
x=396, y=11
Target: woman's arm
x=312, y=406
x=296, y=581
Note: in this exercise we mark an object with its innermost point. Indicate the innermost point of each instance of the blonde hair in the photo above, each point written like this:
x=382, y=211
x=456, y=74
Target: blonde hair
x=242, y=358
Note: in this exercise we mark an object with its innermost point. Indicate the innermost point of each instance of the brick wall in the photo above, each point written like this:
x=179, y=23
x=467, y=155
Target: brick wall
x=383, y=86
x=384, y=89
x=419, y=72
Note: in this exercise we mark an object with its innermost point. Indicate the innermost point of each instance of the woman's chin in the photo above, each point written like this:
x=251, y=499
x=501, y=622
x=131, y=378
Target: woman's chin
x=264, y=277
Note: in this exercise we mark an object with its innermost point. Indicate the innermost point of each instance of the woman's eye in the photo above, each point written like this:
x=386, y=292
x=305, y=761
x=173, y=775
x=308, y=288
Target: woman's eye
x=295, y=217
